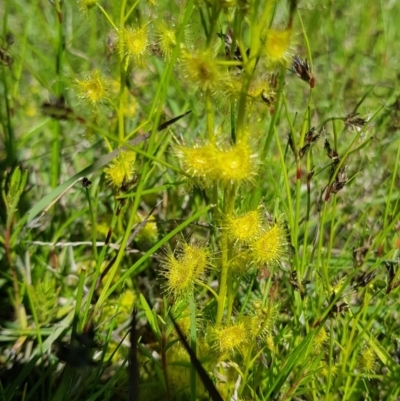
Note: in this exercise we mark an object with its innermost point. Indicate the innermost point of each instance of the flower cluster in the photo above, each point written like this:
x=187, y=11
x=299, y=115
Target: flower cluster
x=230, y=338
x=257, y=242
x=183, y=270
x=236, y=337
x=209, y=162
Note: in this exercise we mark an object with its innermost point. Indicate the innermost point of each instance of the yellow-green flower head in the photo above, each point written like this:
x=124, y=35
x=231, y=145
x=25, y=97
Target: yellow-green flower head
x=196, y=258
x=277, y=45
x=92, y=87
x=166, y=40
x=181, y=272
x=270, y=246
x=136, y=43
x=230, y=338
x=121, y=170
x=198, y=161
x=245, y=228
x=260, y=91
x=179, y=280
x=328, y=370
x=367, y=360
x=236, y=164
x=202, y=70
x=231, y=87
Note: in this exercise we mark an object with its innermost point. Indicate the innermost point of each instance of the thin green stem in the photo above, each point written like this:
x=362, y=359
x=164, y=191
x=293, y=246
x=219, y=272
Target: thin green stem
x=55, y=154
x=208, y=288
x=108, y=18
x=216, y=10
x=210, y=116
x=122, y=67
x=286, y=182
x=223, y=281
x=57, y=134
x=306, y=40
x=225, y=284
x=93, y=221
x=389, y=208
x=131, y=10
x=320, y=263
x=99, y=263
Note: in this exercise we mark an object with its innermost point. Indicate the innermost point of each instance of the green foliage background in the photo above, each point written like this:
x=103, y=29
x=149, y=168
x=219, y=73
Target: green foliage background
x=50, y=266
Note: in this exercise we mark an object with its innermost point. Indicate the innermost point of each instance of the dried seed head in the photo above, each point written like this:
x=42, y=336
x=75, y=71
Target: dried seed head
x=354, y=122
x=303, y=70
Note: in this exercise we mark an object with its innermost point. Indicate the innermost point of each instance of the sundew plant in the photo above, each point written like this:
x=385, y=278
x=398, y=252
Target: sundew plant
x=200, y=200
